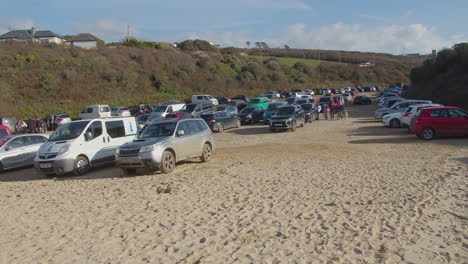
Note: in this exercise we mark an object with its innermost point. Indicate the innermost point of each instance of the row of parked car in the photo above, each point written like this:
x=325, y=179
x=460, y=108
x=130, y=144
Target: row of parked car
x=422, y=117
x=171, y=132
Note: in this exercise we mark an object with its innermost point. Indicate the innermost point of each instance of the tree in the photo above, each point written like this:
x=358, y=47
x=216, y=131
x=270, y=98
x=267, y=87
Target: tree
x=248, y=44
x=264, y=45
x=286, y=47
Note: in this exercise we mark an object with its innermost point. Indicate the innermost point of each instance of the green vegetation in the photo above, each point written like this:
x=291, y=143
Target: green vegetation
x=289, y=61
x=39, y=79
x=443, y=79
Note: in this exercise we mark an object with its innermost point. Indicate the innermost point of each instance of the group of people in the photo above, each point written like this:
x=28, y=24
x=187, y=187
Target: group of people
x=34, y=125
x=332, y=110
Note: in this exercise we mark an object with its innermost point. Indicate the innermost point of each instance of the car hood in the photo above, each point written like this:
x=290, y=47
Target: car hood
x=383, y=110
x=282, y=116
x=53, y=146
x=138, y=143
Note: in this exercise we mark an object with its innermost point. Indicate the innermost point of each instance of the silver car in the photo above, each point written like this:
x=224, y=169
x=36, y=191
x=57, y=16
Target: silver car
x=20, y=150
x=161, y=144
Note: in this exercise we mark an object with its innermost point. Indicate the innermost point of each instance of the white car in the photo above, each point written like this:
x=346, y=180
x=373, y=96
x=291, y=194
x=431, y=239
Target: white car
x=412, y=110
x=62, y=119
x=19, y=150
x=392, y=120
x=204, y=98
x=95, y=111
x=120, y=111
x=79, y=145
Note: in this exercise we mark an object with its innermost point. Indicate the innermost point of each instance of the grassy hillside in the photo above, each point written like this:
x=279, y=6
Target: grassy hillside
x=40, y=79
x=289, y=61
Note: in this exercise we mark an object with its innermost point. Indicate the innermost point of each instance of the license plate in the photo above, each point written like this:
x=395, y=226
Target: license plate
x=45, y=165
x=278, y=125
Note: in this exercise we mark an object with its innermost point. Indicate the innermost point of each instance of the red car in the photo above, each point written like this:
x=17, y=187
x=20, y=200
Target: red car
x=440, y=121
x=179, y=115
x=5, y=131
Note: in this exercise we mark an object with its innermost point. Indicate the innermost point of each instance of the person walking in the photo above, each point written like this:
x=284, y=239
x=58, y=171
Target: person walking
x=326, y=111
x=339, y=109
x=332, y=109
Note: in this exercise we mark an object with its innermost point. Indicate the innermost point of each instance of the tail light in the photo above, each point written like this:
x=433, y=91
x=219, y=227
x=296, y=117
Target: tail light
x=407, y=114
x=211, y=121
x=60, y=119
x=99, y=115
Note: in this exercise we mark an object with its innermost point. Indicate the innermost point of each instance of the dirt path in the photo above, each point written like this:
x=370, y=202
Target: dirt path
x=339, y=191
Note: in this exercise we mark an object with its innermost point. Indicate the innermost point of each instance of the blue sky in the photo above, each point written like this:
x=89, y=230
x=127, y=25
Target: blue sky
x=395, y=26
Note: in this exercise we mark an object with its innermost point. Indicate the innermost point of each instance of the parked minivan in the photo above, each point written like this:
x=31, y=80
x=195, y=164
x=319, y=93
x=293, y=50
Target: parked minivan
x=163, y=109
x=161, y=144
x=204, y=98
x=95, y=111
x=79, y=145
x=263, y=102
x=197, y=109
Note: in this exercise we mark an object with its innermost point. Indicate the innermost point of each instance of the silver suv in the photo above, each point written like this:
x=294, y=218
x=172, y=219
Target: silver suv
x=161, y=144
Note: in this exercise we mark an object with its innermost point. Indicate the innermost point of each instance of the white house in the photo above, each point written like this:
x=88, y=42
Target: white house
x=83, y=40
x=32, y=35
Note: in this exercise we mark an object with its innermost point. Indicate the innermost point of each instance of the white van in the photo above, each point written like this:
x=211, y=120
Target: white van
x=95, y=111
x=196, y=99
x=78, y=145
x=162, y=110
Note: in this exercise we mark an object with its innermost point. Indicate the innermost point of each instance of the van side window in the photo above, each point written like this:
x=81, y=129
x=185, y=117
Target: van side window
x=199, y=97
x=115, y=129
x=96, y=129
x=169, y=109
x=89, y=110
x=104, y=109
x=82, y=111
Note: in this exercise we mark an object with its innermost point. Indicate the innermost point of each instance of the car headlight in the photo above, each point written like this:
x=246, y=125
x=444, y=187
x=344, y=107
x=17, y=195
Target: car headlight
x=148, y=148
x=64, y=149
x=249, y=116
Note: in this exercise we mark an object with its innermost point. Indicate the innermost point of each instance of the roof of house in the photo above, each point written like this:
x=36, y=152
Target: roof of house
x=83, y=37
x=27, y=34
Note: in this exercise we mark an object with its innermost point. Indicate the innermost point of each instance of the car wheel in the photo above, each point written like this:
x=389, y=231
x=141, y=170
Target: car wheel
x=427, y=133
x=1, y=167
x=168, y=162
x=394, y=123
x=293, y=127
x=207, y=153
x=81, y=166
x=220, y=127
x=238, y=123
x=303, y=123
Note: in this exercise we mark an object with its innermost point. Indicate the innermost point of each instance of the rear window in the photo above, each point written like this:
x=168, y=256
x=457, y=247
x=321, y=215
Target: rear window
x=115, y=129
x=104, y=109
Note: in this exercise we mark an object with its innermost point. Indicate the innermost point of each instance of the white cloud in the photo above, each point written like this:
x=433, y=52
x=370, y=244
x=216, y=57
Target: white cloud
x=13, y=23
x=351, y=37
x=106, y=29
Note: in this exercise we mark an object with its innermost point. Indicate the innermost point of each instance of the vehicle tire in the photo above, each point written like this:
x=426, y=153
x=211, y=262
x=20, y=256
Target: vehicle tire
x=81, y=166
x=409, y=130
x=168, y=162
x=427, y=133
x=206, y=153
x=238, y=124
x=394, y=123
x=220, y=127
x=293, y=127
x=303, y=123
x=50, y=175
x=1, y=167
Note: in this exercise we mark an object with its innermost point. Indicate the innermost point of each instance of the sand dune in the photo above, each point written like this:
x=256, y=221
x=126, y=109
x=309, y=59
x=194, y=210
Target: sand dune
x=347, y=191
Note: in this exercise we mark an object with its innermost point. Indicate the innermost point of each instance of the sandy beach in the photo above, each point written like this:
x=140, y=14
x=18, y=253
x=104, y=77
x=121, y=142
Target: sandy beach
x=338, y=191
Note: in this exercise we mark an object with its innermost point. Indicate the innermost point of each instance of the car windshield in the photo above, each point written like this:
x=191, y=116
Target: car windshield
x=188, y=108
x=68, y=131
x=285, y=111
x=113, y=109
x=3, y=141
x=160, y=108
x=142, y=118
x=273, y=107
x=307, y=106
x=158, y=130
x=255, y=101
x=324, y=100
x=248, y=110
x=221, y=108
x=63, y=116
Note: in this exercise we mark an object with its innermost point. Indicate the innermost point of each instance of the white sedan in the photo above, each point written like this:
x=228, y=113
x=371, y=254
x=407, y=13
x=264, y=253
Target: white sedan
x=393, y=120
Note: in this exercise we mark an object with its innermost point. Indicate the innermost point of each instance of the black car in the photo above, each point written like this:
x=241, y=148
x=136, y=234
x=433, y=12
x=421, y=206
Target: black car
x=287, y=117
x=244, y=98
x=311, y=112
x=251, y=114
x=223, y=100
x=240, y=104
x=362, y=100
x=326, y=100
x=219, y=121
x=197, y=109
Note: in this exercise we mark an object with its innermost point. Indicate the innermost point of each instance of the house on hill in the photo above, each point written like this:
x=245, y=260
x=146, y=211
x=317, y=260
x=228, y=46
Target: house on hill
x=83, y=40
x=33, y=35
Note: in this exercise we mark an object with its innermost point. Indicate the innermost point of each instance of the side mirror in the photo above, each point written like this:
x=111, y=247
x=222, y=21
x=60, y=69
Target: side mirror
x=88, y=136
x=8, y=148
x=180, y=133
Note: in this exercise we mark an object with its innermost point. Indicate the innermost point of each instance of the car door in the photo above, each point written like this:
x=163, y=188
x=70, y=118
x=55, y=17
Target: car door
x=230, y=120
x=114, y=136
x=181, y=143
x=13, y=152
x=32, y=145
x=95, y=142
x=440, y=121
x=458, y=122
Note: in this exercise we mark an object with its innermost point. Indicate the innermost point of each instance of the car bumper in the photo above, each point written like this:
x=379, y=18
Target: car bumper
x=57, y=167
x=136, y=162
x=283, y=124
